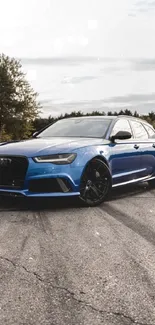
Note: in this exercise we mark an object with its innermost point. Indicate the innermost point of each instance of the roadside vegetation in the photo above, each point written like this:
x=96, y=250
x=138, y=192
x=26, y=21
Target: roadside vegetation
x=20, y=109
x=18, y=101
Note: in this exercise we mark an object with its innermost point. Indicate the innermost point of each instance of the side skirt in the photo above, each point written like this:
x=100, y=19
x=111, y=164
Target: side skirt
x=146, y=178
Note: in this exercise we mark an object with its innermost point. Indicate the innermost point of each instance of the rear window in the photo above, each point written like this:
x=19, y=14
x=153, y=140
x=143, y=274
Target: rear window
x=139, y=130
x=149, y=130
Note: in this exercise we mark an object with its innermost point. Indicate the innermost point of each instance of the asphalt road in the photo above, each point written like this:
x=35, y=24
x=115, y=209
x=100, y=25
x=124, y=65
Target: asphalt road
x=62, y=265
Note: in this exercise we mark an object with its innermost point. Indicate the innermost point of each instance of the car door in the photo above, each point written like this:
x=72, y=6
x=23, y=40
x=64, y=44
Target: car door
x=146, y=145
x=125, y=159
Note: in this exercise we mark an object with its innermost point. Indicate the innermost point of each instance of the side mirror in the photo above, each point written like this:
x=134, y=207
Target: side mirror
x=121, y=135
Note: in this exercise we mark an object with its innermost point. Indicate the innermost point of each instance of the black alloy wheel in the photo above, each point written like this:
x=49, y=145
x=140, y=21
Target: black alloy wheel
x=95, y=183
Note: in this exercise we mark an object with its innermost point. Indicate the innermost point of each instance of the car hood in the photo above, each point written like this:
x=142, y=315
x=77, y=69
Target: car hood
x=44, y=146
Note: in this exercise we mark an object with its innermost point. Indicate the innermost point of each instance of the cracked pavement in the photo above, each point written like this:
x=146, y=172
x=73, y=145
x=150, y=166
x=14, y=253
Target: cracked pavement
x=61, y=264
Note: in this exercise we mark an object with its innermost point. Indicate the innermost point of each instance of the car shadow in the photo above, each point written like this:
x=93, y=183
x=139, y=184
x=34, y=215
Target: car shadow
x=129, y=191
x=35, y=204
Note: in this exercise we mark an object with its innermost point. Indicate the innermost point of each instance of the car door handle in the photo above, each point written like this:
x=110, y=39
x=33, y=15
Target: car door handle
x=136, y=146
x=153, y=145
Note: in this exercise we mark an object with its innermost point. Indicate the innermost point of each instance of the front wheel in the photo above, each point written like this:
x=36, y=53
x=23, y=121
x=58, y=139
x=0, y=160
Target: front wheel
x=95, y=183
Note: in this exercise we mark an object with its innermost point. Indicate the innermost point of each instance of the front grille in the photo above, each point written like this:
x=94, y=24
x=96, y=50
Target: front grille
x=49, y=185
x=12, y=171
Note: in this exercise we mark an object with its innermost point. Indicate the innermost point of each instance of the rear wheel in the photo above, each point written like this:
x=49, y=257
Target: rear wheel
x=95, y=183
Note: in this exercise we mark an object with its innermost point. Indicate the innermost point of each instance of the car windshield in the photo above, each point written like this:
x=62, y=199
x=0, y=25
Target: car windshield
x=78, y=127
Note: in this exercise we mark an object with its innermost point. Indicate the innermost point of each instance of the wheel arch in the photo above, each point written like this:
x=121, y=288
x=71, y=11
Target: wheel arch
x=96, y=157
x=103, y=159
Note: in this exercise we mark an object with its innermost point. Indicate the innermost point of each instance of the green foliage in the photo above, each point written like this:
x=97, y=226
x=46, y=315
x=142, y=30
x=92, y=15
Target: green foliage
x=150, y=118
x=18, y=101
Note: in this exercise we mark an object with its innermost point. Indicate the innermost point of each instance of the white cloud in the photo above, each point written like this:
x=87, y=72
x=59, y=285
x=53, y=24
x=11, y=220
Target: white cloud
x=71, y=39
x=92, y=24
x=58, y=45
x=32, y=74
x=100, y=27
x=83, y=41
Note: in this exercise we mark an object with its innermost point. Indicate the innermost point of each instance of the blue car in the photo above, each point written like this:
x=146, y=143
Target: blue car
x=82, y=156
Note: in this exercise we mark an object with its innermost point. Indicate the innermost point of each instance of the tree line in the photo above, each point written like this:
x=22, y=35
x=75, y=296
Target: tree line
x=40, y=123
x=20, y=109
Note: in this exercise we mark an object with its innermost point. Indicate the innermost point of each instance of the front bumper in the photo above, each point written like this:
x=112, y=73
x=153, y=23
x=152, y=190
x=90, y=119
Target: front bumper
x=63, y=179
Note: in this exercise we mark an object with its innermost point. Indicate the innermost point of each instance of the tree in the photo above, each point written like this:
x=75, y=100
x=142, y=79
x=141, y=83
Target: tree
x=18, y=101
x=125, y=112
x=136, y=114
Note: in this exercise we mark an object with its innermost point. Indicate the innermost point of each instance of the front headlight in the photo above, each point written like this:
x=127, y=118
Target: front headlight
x=60, y=159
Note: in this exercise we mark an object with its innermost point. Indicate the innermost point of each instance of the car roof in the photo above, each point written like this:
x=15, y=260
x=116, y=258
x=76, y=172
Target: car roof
x=107, y=117
x=92, y=117
x=111, y=117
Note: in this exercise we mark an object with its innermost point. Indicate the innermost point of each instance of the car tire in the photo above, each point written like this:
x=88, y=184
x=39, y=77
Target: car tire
x=96, y=183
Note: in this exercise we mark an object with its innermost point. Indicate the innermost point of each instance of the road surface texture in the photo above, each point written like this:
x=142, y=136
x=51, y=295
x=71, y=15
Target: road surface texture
x=61, y=264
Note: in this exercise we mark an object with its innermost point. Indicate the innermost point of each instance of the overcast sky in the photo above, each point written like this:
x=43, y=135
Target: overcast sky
x=109, y=28
x=119, y=29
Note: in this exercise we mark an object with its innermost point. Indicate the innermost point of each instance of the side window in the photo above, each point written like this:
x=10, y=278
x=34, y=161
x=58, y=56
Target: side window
x=121, y=125
x=149, y=130
x=139, y=130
